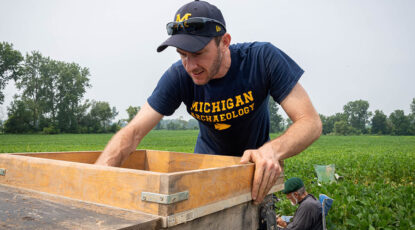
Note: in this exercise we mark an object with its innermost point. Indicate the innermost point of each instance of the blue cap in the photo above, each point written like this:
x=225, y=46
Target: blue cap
x=193, y=42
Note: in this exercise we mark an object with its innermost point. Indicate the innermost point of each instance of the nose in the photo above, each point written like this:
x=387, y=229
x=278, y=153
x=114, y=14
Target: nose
x=190, y=63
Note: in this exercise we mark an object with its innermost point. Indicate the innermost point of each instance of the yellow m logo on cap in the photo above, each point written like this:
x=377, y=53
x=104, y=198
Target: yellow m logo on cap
x=185, y=17
x=218, y=29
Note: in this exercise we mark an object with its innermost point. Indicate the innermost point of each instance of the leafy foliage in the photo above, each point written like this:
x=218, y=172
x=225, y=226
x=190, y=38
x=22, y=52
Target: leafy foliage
x=275, y=119
x=357, y=115
x=379, y=123
x=377, y=191
x=101, y=115
x=51, y=93
x=20, y=117
x=10, y=60
x=400, y=122
x=132, y=111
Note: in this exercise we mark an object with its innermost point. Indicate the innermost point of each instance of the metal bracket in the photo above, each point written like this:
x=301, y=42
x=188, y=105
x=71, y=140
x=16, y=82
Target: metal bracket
x=164, y=198
x=2, y=172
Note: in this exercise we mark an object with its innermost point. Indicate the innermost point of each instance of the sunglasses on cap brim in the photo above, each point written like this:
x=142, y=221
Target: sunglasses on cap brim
x=197, y=26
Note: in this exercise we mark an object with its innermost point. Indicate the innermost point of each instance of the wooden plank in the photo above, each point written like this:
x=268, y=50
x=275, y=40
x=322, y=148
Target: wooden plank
x=112, y=186
x=164, y=161
x=157, y=161
x=136, y=160
x=88, y=157
x=212, y=185
x=24, y=209
x=243, y=216
x=213, y=181
x=211, y=209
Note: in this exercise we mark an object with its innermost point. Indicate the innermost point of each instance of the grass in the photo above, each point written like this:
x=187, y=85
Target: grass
x=180, y=141
x=377, y=191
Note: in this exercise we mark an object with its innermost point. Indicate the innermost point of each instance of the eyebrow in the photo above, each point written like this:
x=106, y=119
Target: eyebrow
x=183, y=53
x=180, y=52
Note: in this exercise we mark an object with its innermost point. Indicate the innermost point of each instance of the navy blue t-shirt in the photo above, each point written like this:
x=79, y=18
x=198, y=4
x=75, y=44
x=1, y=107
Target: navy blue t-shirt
x=233, y=110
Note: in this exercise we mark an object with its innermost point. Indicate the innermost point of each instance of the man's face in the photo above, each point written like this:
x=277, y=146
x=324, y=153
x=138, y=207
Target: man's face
x=203, y=65
x=292, y=197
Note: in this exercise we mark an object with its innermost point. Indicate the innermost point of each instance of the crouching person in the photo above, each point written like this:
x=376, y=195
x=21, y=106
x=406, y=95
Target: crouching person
x=308, y=214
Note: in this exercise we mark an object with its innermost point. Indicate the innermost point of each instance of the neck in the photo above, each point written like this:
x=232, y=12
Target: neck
x=303, y=196
x=225, y=64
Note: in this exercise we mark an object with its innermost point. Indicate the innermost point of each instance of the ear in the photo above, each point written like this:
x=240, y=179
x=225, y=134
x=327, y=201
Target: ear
x=226, y=40
x=295, y=194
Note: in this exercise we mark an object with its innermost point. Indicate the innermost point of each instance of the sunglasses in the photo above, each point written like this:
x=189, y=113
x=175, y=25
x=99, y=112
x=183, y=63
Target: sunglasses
x=197, y=26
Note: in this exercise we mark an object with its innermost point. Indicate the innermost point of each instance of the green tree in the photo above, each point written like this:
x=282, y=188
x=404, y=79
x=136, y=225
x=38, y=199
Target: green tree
x=172, y=125
x=132, y=111
x=275, y=119
x=400, y=122
x=411, y=118
x=71, y=84
x=379, y=123
x=288, y=122
x=342, y=128
x=159, y=125
x=324, y=122
x=192, y=124
x=101, y=115
x=83, y=118
x=329, y=121
x=19, y=118
x=52, y=90
x=357, y=115
x=31, y=86
x=182, y=123
x=10, y=67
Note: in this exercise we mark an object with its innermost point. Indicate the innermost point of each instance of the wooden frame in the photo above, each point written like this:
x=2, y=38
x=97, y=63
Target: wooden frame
x=213, y=182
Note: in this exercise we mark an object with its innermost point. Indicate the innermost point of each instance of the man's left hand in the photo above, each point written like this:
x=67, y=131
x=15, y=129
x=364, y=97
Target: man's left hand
x=267, y=170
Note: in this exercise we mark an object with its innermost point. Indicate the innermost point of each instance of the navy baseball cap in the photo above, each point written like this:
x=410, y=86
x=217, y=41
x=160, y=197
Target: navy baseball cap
x=193, y=26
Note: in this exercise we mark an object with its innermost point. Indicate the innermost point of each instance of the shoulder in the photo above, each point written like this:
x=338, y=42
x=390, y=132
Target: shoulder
x=264, y=52
x=311, y=203
x=176, y=69
x=249, y=47
x=175, y=73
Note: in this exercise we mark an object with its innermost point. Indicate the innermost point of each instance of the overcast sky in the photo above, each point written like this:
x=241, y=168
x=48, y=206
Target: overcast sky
x=349, y=49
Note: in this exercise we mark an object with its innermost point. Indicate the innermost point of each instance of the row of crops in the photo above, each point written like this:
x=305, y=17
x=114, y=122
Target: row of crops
x=377, y=191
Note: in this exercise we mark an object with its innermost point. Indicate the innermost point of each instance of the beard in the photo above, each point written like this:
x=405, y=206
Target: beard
x=214, y=69
x=296, y=201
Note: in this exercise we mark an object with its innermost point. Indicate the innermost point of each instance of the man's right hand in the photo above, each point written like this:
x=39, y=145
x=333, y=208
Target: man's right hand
x=125, y=141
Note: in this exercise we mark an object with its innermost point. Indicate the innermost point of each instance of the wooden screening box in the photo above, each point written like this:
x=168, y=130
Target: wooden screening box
x=177, y=187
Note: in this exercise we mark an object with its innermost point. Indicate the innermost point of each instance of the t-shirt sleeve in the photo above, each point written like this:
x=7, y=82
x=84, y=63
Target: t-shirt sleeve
x=166, y=97
x=282, y=72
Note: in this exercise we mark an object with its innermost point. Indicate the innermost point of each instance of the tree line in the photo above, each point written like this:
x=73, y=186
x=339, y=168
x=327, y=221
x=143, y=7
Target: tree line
x=50, y=100
x=356, y=119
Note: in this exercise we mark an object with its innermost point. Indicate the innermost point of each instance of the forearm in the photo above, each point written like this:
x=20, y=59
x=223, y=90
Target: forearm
x=297, y=137
x=119, y=147
x=126, y=140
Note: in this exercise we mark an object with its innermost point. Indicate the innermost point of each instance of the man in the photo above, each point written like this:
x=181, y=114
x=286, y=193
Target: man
x=308, y=215
x=226, y=88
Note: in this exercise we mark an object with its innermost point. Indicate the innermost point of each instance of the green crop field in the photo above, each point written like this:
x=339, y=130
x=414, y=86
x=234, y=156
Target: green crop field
x=377, y=191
